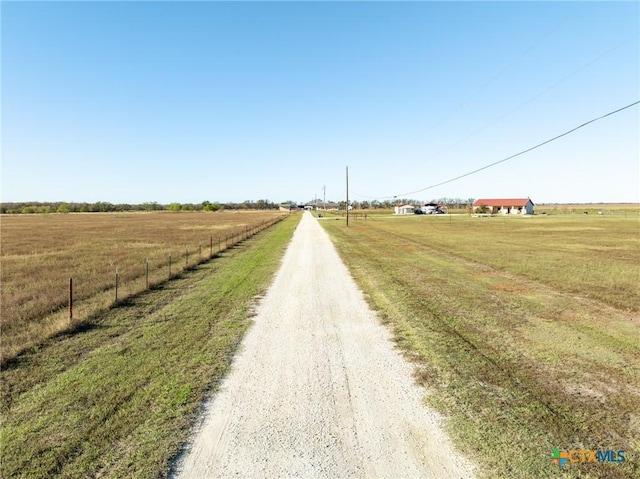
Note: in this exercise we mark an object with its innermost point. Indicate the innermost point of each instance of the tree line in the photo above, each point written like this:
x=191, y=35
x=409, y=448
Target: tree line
x=451, y=203
x=106, y=207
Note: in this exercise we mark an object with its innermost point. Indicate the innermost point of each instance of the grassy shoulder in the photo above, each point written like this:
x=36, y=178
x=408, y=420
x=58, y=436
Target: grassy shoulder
x=519, y=366
x=117, y=397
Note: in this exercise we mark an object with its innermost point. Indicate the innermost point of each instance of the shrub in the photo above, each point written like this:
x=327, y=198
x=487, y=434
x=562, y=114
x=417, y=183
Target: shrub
x=63, y=208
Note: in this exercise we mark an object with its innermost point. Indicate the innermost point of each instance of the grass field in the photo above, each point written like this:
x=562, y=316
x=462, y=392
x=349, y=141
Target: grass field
x=617, y=209
x=117, y=397
x=525, y=331
x=39, y=253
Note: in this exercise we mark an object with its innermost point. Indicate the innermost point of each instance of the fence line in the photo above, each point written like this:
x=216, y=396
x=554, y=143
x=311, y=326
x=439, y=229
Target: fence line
x=237, y=235
x=70, y=300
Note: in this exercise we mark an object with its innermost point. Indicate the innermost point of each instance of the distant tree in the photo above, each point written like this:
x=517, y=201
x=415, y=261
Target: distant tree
x=121, y=207
x=262, y=204
x=99, y=207
x=175, y=207
x=63, y=208
x=150, y=206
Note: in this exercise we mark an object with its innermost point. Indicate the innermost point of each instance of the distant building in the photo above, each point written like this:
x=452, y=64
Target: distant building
x=504, y=206
x=403, y=210
x=328, y=205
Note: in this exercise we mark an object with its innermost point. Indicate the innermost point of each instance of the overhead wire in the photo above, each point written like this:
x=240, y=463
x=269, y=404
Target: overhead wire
x=533, y=98
x=502, y=117
x=517, y=154
x=501, y=71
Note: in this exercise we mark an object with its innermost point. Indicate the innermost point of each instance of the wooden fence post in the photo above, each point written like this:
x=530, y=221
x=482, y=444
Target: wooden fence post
x=117, y=280
x=146, y=271
x=70, y=299
x=169, y=265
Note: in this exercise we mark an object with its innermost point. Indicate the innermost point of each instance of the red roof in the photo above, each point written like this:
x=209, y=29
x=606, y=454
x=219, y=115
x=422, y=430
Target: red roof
x=502, y=202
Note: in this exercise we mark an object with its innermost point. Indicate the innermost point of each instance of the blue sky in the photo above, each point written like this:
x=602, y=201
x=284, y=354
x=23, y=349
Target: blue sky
x=233, y=101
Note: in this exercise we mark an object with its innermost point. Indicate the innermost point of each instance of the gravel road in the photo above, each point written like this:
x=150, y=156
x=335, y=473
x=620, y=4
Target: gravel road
x=317, y=389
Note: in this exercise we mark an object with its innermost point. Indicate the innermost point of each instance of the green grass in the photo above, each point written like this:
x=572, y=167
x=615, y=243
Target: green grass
x=495, y=315
x=117, y=396
x=595, y=257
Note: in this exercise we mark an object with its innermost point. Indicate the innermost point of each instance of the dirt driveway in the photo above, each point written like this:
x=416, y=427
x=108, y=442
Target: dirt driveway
x=317, y=389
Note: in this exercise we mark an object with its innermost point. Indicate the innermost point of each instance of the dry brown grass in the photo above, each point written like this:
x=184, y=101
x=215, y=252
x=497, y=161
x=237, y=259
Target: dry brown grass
x=39, y=253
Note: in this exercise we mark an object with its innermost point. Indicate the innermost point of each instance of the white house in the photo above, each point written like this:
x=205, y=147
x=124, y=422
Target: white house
x=504, y=206
x=403, y=210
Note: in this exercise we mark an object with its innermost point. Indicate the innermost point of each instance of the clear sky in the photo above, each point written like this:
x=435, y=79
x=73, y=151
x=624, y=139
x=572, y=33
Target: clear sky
x=233, y=101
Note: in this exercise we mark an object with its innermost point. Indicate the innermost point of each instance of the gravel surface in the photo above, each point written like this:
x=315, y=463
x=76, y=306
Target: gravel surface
x=317, y=389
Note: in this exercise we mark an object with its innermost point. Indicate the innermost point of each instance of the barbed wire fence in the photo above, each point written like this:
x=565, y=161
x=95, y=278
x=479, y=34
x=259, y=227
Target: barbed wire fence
x=158, y=272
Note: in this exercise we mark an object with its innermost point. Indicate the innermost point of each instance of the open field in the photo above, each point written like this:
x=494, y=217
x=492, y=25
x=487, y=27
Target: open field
x=525, y=331
x=39, y=253
x=620, y=209
x=118, y=397
x=596, y=257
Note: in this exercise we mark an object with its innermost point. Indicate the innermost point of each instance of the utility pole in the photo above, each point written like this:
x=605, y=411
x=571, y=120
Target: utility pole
x=347, y=196
x=324, y=197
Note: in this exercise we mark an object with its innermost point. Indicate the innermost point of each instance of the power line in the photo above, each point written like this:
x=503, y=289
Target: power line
x=533, y=98
x=497, y=75
x=517, y=154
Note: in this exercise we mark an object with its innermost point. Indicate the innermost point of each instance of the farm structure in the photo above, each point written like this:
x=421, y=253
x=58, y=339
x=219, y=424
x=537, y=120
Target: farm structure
x=326, y=206
x=403, y=210
x=505, y=206
x=286, y=207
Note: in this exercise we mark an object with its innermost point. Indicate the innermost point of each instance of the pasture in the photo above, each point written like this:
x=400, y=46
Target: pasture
x=618, y=209
x=39, y=253
x=525, y=331
x=118, y=397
